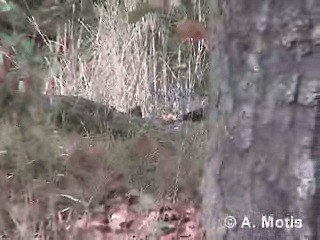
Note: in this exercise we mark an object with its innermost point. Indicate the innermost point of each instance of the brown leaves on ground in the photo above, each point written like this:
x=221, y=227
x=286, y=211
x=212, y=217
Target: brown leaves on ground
x=161, y=161
x=115, y=210
x=167, y=222
x=146, y=145
x=90, y=201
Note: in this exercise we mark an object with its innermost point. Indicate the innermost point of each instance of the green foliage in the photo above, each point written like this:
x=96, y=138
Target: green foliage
x=29, y=151
x=10, y=40
x=26, y=149
x=13, y=15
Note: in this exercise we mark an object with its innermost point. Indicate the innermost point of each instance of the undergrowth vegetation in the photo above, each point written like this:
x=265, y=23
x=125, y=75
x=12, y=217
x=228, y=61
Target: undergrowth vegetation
x=57, y=184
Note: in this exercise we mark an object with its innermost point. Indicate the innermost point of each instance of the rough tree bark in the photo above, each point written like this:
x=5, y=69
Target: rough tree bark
x=266, y=62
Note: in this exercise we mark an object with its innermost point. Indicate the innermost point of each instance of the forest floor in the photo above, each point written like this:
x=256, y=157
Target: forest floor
x=58, y=183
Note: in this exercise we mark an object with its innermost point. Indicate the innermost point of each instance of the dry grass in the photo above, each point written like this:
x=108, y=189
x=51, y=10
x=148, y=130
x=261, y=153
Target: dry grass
x=122, y=65
x=77, y=175
x=131, y=64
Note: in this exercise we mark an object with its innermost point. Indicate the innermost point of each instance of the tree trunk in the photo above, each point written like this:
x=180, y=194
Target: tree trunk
x=266, y=62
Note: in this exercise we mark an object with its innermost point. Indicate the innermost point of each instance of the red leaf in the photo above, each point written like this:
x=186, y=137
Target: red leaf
x=192, y=30
x=3, y=73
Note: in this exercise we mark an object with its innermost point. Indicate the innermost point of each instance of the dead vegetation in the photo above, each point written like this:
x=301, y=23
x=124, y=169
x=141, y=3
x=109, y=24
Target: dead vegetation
x=91, y=180
x=61, y=185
